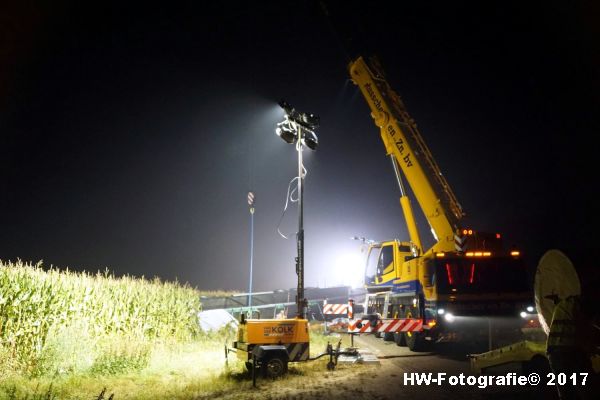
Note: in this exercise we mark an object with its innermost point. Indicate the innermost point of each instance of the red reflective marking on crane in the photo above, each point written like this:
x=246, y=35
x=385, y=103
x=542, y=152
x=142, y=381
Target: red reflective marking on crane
x=472, y=273
x=450, y=280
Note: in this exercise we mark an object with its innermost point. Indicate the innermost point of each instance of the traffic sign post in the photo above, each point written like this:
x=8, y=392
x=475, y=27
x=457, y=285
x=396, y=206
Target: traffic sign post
x=251, y=206
x=251, y=202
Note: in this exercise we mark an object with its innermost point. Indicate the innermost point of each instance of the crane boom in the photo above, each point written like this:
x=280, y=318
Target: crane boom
x=403, y=141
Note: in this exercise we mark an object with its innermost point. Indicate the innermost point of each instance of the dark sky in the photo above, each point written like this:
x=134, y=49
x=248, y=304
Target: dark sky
x=130, y=134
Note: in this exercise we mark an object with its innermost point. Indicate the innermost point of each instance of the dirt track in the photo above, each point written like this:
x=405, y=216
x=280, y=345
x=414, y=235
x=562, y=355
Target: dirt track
x=386, y=381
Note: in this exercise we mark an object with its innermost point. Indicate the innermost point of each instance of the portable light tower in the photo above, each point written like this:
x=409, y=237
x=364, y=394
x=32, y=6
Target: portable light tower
x=299, y=128
x=269, y=344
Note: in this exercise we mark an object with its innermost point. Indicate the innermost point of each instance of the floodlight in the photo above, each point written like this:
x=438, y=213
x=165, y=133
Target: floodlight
x=286, y=107
x=286, y=134
x=306, y=120
x=310, y=140
x=311, y=121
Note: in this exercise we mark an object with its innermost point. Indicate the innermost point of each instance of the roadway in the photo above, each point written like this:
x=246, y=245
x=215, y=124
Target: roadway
x=387, y=381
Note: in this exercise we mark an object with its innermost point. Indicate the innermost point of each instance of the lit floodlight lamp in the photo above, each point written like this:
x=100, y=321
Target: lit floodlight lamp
x=310, y=140
x=288, y=135
x=309, y=121
x=286, y=107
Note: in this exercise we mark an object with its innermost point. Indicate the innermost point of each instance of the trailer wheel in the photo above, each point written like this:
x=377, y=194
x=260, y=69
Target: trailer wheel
x=274, y=366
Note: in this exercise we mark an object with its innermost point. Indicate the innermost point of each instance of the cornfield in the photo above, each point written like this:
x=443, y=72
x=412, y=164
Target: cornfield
x=36, y=303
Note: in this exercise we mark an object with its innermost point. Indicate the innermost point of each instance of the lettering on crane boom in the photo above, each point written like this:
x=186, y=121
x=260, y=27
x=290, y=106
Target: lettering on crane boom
x=390, y=128
x=279, y=330
x=373, y=97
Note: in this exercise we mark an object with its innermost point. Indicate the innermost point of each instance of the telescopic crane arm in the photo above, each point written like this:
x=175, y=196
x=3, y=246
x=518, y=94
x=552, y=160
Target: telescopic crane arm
x=409, y=154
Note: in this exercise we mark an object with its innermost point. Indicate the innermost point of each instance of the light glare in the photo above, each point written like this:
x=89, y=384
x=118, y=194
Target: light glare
x=348, y=270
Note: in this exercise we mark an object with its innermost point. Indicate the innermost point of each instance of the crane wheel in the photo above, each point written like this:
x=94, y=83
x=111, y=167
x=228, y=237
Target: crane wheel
x=399, y=339
x=388, y=337
x=414, y=340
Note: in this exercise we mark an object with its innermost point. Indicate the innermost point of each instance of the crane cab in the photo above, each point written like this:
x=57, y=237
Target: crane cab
x=384, y=263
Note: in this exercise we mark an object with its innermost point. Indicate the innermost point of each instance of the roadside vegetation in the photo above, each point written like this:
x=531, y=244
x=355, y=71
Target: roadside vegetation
x=72, y=335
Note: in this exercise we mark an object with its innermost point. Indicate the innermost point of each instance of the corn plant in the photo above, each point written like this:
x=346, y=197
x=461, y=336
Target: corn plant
x=35, y=301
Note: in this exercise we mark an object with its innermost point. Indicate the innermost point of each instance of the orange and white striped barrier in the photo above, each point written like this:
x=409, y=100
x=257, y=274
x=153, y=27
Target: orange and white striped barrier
x=335, y=309
x=386, y=325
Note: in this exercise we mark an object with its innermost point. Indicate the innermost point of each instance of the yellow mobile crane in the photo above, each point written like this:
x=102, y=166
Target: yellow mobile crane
x=465, y=273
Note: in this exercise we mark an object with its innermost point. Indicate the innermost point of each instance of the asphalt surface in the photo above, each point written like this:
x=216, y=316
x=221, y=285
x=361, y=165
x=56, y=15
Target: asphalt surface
x=388, y=380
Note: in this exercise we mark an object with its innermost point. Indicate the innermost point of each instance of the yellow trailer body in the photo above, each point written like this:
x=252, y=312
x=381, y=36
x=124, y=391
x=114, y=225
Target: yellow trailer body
x=274, y=331
x=291, y=334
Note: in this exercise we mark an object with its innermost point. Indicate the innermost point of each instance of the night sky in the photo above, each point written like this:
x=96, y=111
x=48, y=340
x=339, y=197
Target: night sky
x=131, y=133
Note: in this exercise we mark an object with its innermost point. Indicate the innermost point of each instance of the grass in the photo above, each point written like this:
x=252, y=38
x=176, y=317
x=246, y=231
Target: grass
x=174, y=370
x=69, y=335
x=193, y=370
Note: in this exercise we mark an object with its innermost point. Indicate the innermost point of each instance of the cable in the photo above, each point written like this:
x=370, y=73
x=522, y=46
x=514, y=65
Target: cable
x=287, y=200
x=290, y=199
